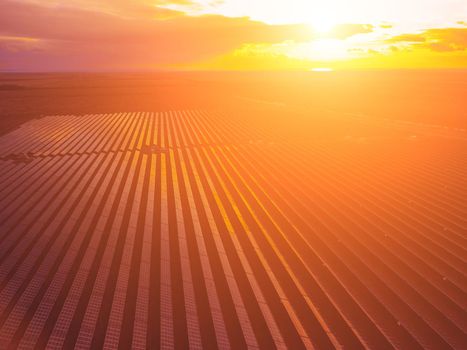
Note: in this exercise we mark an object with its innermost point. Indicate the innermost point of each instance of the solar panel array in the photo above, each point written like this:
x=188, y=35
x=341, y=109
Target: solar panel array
x=191, y=229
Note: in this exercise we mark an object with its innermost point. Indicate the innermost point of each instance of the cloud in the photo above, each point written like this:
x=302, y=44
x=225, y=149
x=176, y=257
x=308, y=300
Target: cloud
x=149, y=34
x=123, y=8
x=452, y=39
x=17, y=44
x=410, y=38
x=437, y=39
x=81, y=38
x=344, y=31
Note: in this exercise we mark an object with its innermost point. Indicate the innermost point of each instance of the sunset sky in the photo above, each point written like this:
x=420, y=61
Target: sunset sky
x=75, y=35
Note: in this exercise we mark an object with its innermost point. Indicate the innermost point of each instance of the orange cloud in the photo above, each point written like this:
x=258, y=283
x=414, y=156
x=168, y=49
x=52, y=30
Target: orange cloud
x=18, y=44
x=344, y=31
x=144, y=34
x=451, y=39
x=410, y=38
x=433, y=48
x=439, y=39
x=80, y=38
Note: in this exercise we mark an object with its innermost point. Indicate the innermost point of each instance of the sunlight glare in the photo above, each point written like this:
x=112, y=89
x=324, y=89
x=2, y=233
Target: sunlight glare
x=328, y=49
x=322, y=70
x=323, y=24
x=323, y=17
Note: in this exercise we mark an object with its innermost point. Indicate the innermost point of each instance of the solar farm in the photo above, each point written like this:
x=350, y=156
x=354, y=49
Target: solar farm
x=205, y=229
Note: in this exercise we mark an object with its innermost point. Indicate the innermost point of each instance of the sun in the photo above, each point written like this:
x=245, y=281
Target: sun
x=323, y=24
x=323, y=17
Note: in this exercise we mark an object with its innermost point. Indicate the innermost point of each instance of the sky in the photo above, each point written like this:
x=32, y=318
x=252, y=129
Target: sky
x=142, y=35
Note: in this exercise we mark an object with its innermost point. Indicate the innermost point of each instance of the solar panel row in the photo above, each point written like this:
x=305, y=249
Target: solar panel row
x=194, y=229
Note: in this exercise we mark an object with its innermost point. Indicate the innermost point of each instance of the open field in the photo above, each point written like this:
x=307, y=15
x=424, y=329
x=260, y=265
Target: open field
x=404, y=95
x=224, y=217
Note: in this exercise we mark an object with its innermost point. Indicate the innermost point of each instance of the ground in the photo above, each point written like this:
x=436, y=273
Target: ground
x=223, y=212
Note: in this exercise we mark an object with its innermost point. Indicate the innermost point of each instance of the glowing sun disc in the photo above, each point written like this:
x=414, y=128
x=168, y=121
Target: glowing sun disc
x=323, y=19
x=323, y=25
